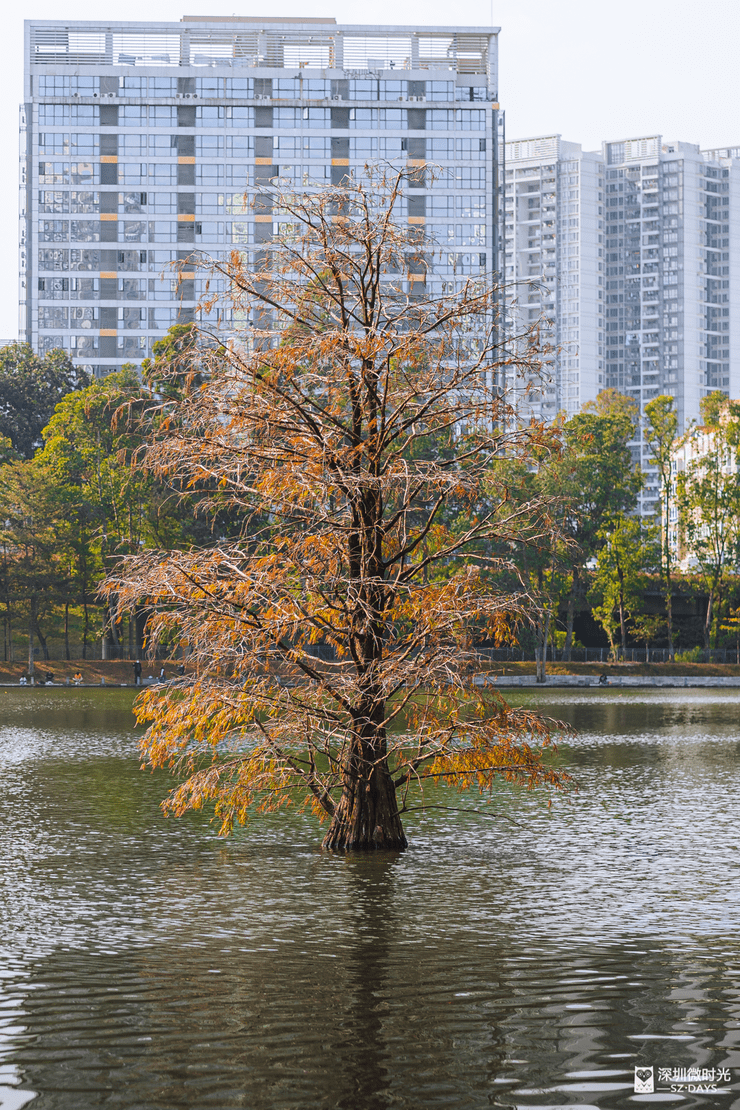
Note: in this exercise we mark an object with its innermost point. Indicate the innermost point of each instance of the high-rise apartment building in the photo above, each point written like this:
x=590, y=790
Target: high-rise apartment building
x=138, y=141
x=670, y=240
x=631, y=255
x=554, y=268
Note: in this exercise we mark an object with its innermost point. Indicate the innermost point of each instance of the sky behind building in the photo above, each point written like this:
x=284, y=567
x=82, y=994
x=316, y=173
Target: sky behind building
x=572, y=68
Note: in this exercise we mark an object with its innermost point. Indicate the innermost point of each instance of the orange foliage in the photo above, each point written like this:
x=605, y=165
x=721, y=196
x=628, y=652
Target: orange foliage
x=351, y=429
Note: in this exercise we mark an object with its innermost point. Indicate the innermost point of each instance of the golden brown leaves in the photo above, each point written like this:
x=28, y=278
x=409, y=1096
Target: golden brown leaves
x=257, y=750
x=341, y=442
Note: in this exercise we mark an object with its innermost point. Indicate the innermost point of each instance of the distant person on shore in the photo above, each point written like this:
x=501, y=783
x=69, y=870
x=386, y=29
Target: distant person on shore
x=603, y=680
x=162, y=675
x=77, y=678
x=23, y=681
x=49, y=678
x=137, y=673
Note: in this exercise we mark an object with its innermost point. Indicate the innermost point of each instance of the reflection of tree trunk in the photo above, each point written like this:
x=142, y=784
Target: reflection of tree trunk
x=363, y=1052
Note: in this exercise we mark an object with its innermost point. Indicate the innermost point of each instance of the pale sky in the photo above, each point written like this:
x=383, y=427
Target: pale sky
x=590, y=71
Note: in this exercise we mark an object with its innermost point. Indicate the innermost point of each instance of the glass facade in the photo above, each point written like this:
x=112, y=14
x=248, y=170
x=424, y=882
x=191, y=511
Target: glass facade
x=554, y=270
x=152, y=157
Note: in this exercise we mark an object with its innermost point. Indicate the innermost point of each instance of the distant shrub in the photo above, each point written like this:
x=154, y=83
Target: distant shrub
x=691, y=655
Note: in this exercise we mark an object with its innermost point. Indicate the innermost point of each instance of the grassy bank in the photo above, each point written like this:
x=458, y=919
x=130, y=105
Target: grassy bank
x=623, y=669
x=116, y=672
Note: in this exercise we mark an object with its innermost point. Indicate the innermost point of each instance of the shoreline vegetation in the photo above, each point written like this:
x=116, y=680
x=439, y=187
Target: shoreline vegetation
x=120, y=672
x=75, y=502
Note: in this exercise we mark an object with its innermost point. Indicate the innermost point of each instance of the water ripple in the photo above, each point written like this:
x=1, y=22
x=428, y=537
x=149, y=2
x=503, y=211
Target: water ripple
x=144, y=963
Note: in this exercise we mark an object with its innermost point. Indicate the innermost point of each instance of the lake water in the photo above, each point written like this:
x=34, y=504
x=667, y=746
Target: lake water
x=530, y=959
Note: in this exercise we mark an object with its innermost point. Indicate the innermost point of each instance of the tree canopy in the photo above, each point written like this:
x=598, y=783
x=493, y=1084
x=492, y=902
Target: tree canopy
x=709, y=498
x=592, y=480
x=354, y=426
x=661, y=426
x=30, y=388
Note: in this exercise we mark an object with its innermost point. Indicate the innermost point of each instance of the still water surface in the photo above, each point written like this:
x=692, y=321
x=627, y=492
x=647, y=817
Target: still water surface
x=146, y=964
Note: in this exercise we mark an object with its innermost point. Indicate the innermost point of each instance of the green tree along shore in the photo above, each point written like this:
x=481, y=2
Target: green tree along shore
x=74, y=499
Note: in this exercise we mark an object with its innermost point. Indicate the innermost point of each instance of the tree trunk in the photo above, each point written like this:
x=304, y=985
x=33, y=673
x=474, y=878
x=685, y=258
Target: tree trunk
x=622, y=631
x=708, y=620
x=86, y=623
x=42, y=640
x=66, y=631
x=31, y=624
x=718, y=616
x=366, y=818
x=115, y=639
x=622, y=621
x=140, y=616
x=570, y=616
x=668, y=580
x=543, y=629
